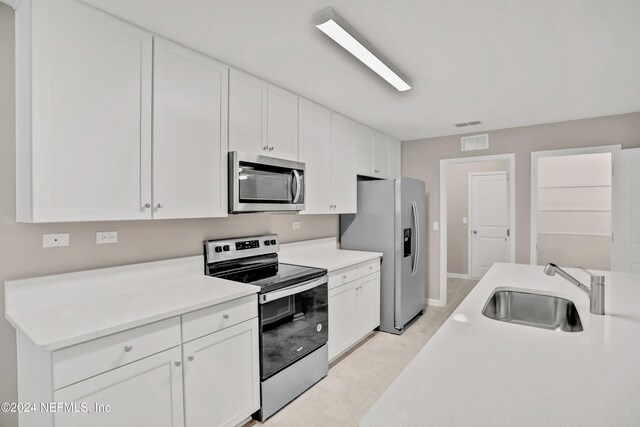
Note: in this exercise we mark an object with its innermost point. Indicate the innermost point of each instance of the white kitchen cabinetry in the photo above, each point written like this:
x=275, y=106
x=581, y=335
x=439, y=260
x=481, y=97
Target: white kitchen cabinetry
x=83, y=110
x=395, y=159
x=247, y=113
x=344, y=191
x=314, y=149
x=148, y=375
x=377, y=155
x=354, y=305
x=221, y=376
x=282, y=123
x=146, y=393
x=263, y=118
x=364, y=150
x=327, y=147
x=189, y=133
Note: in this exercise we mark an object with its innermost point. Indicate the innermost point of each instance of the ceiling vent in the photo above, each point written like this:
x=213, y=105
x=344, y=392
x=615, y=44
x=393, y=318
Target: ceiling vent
x=472, y=123
x=474, y=142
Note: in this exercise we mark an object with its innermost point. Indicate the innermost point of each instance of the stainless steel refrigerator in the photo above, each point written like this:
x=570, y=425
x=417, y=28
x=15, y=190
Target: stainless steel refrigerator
x=390, y=220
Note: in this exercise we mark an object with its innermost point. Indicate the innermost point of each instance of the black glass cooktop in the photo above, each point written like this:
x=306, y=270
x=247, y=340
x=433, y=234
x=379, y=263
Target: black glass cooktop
x=274, y=276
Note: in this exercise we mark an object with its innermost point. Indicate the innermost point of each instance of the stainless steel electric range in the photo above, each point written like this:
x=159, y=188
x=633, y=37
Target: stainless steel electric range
x=293, y=314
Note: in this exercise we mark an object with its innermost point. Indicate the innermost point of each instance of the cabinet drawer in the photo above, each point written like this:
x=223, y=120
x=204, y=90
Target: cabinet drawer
x=75, y=363
x=342, y=276
x=369, y=267
x=212, y=319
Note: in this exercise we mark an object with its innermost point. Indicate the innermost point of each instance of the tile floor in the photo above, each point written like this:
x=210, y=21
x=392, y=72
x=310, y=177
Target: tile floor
x=357, y=380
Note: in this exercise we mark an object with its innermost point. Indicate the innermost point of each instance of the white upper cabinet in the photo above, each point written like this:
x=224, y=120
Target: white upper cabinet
x=263, y=118
x=381, y=151
x=394, y=159
x=314, y=149
x=189, y=133
x=247, y=113
x=83, y=104
x=343, y=175
x=282, y=123
x=377, y=155
x=364, y=150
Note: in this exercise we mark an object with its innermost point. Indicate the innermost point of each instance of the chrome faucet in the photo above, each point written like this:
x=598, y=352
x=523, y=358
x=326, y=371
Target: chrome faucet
x=595, y=292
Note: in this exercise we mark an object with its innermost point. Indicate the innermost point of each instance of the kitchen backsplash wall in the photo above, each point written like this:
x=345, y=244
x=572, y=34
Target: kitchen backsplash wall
x=22, y=255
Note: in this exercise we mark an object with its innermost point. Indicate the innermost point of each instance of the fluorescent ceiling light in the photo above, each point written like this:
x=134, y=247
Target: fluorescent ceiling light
x=330, y=23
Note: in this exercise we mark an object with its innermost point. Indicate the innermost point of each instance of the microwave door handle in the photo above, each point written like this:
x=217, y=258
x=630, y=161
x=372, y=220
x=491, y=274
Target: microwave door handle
x=296, y=196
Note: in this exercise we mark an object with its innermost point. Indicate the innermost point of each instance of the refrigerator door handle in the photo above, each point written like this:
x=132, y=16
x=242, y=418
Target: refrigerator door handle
x=416, y=254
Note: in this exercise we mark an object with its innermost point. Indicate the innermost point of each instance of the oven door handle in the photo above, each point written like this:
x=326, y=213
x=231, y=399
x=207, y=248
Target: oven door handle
x=292, y=290
x=296, y=175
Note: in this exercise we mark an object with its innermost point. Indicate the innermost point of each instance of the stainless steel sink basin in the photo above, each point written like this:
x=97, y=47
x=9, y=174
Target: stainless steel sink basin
x=532, y=309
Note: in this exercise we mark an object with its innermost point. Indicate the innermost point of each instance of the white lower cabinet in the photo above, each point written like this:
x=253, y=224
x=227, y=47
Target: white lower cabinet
x=354, y=305
x=146, y=393
x=149, y=376
x=342, y=319
x=221, y=376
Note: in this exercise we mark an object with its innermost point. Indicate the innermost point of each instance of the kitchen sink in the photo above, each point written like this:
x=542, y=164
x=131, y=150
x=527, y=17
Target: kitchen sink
x=528, y=308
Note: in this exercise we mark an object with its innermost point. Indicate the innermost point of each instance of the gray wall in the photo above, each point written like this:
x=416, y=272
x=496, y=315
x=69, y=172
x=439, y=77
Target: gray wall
x=22, y=255
x=421, y=158
x=458, y=208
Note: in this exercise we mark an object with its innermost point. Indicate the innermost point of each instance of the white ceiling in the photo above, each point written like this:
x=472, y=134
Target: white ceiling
x=505, y=62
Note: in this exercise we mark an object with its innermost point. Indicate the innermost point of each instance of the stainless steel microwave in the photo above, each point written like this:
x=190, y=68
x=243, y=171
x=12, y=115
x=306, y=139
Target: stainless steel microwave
x=264, y=184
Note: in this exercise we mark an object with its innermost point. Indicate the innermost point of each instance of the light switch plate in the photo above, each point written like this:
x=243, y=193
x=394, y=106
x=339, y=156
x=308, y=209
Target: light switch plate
x=103, y=237
x=436, y=226
x=464, y=220
x=55, y=240
x=295, y=225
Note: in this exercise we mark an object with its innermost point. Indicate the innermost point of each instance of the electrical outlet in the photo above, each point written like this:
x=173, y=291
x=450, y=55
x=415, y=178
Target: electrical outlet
x=103, y=237
x=295, y=225
x=55, y=240
x=436, y=226
x=464, y=220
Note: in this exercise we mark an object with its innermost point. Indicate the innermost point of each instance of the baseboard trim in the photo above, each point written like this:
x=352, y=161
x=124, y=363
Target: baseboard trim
x=435, y=302
x=458, y=276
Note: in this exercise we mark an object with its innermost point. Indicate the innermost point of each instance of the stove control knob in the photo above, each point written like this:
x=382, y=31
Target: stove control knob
x=273, y=242
x=218, y=248
x=267, y=242
x=226, y=248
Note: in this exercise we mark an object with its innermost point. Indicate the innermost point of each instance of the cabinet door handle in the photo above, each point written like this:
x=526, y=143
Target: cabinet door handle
x=128, y=348
x=270, y=148
x=225, y=316
x=178, y=364
x=147, y=205
x=190, y=358
x=344, y=276
x=159, y=206
x=265, y=148
x=376, y=171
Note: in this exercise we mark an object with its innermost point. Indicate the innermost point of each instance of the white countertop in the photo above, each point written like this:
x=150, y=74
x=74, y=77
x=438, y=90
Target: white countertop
x=322, y=253
x=65, y=309
x=477, y=371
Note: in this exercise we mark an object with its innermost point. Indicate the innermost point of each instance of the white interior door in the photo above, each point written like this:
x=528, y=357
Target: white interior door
x=626, y=211
x=489, y=221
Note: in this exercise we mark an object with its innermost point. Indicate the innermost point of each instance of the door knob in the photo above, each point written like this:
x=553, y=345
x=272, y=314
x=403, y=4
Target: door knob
x=475, y=231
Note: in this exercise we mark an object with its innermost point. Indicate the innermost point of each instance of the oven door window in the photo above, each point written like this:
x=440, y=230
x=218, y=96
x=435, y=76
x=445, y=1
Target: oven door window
x=292, y=327
x=266, y=184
